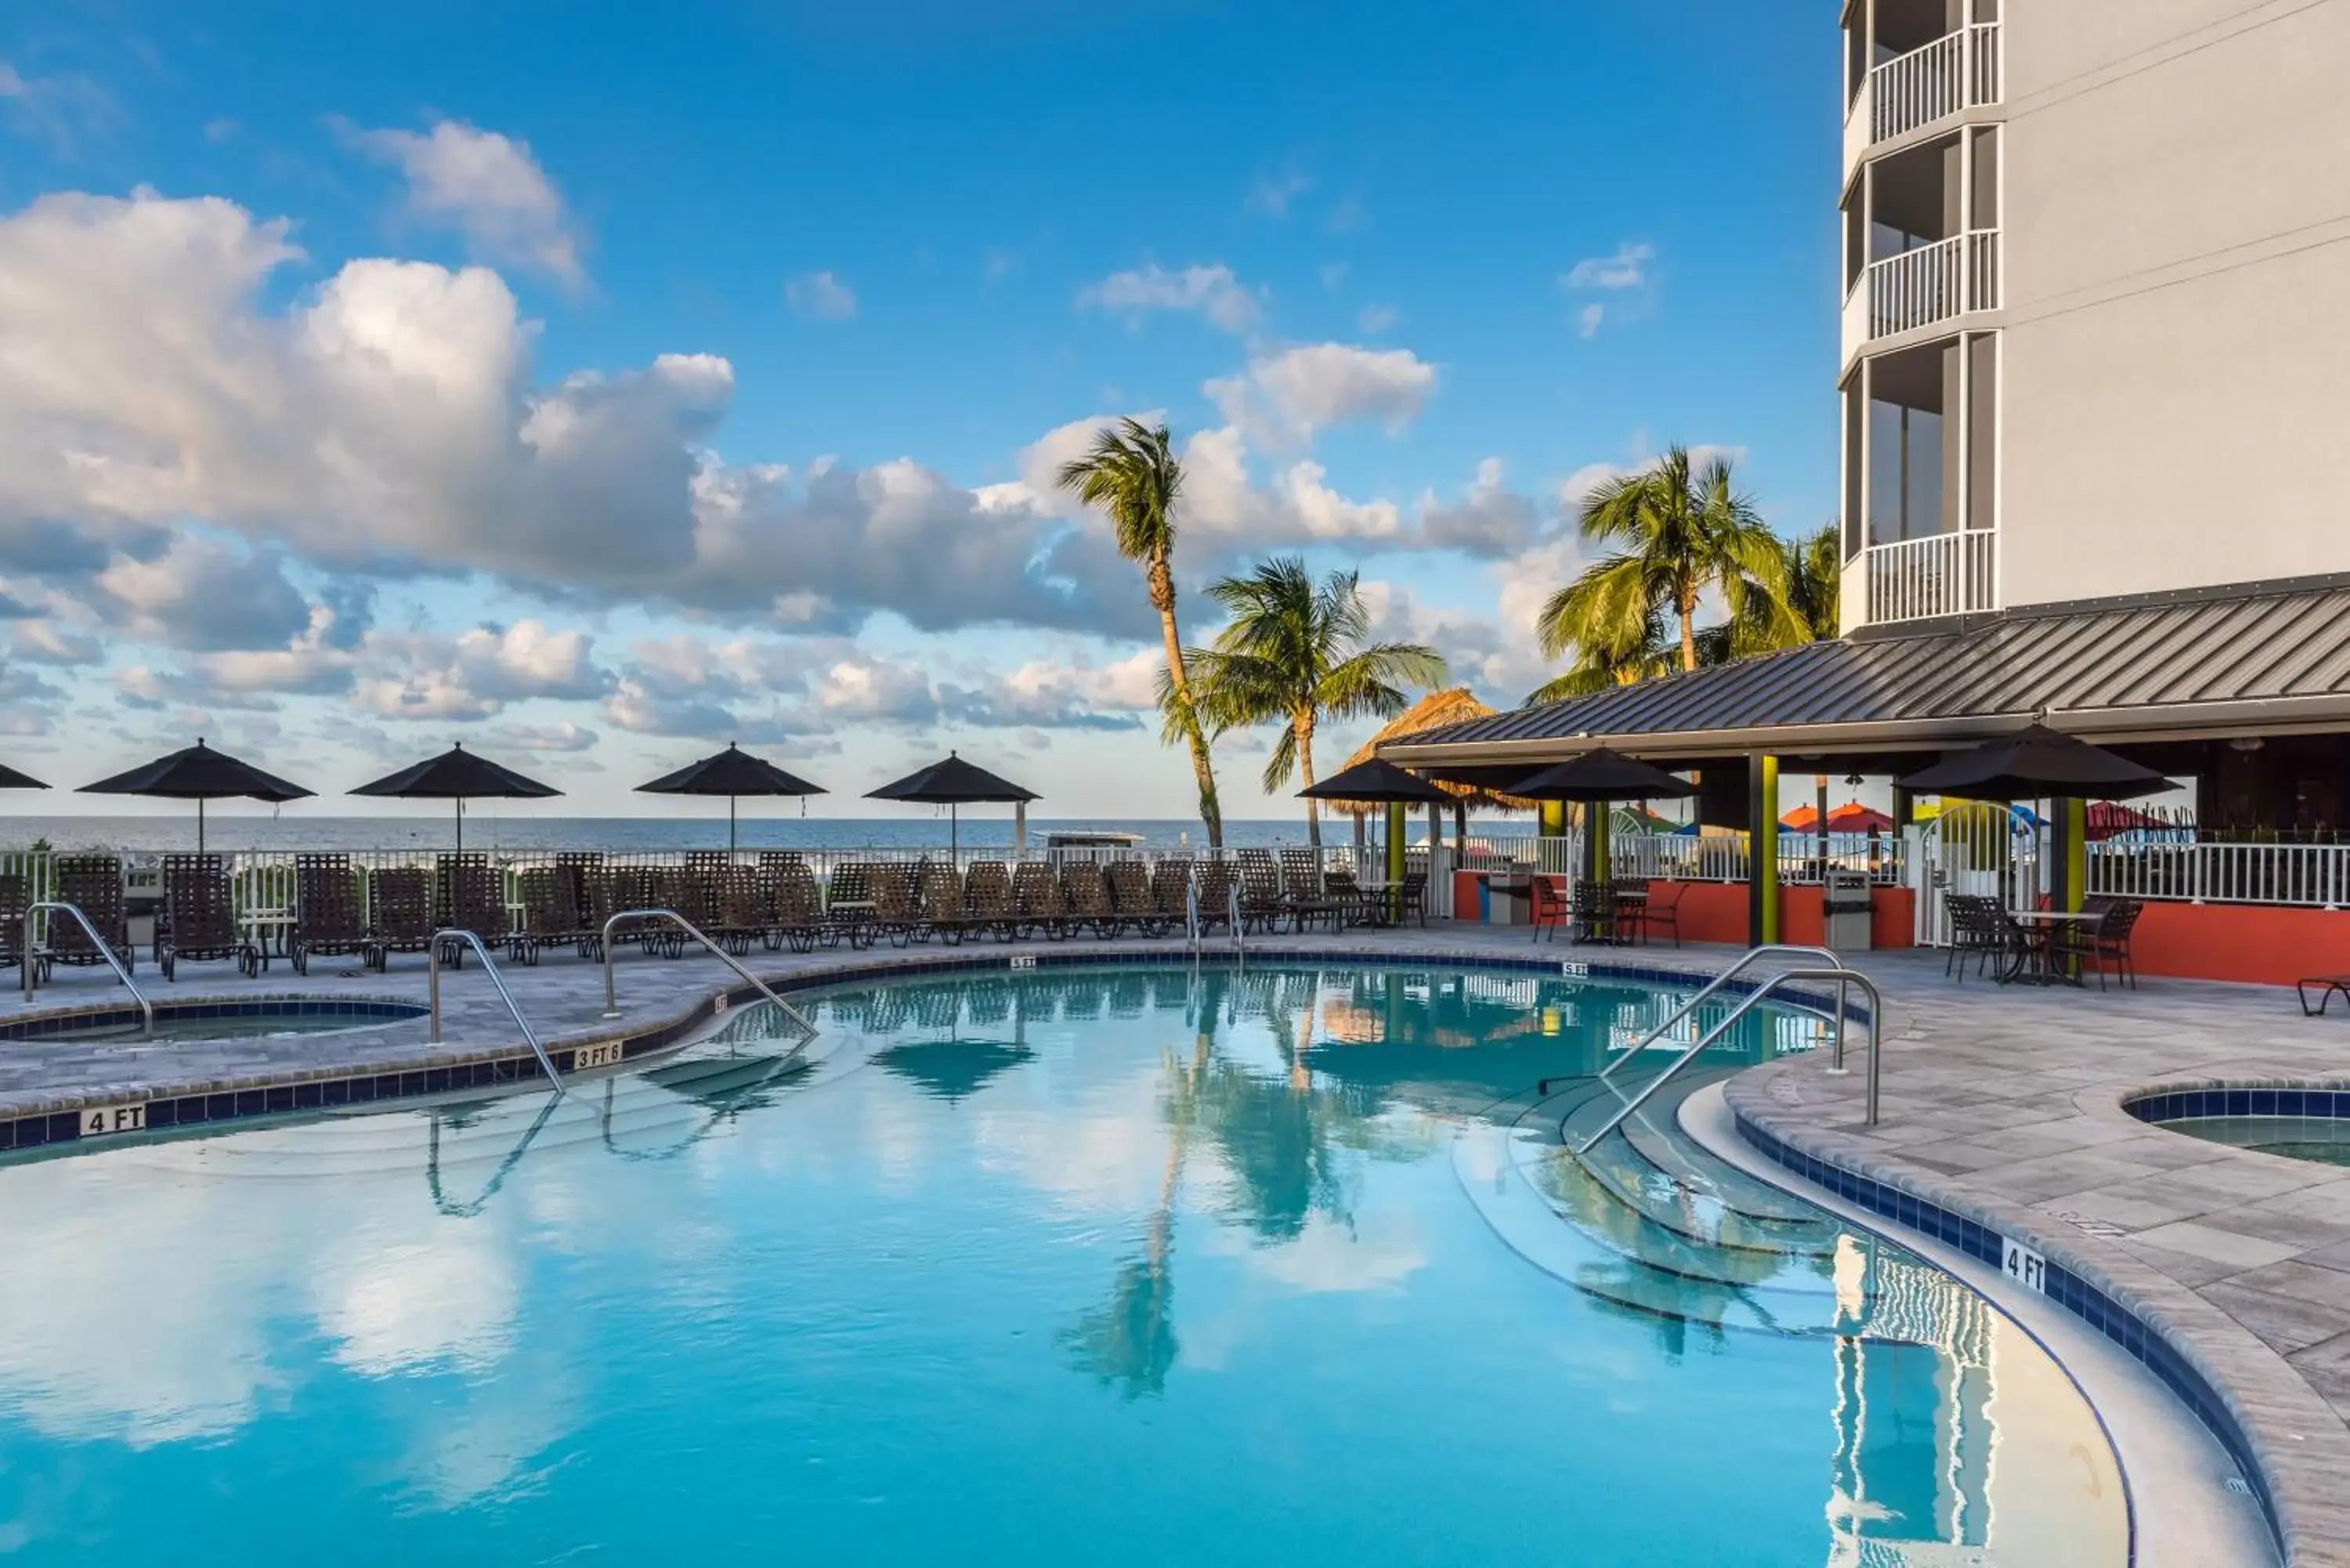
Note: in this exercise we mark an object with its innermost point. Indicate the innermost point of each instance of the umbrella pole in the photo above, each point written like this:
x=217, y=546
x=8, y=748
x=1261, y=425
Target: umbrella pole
x=200, y=824
x=729, y=827
x=954, y=834
x=461, y=825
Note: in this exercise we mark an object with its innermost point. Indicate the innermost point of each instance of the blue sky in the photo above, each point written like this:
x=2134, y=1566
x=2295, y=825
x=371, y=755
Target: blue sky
x=596, y=391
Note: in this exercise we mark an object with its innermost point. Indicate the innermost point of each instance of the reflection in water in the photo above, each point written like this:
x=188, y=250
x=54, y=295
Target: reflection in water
x=853, y=1300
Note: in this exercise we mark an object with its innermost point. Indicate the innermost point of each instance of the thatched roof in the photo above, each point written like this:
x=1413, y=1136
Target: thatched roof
x=1451, y=706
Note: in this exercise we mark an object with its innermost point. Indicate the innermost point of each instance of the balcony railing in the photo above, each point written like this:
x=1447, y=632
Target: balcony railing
x=1933, y=283
x=1940, y=574
x=1958, y=71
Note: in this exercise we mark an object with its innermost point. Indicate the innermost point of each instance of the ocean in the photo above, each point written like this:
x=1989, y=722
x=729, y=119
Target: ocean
x=296, y=830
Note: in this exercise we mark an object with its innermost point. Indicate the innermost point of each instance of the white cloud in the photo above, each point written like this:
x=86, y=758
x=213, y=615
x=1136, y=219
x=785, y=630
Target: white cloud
x=1291, y=394
x=1272, y=193
x=388, y=422
x=205, y=593
x=61, y=110
x=821, y=296
x=1627, y=268
x=1625, y=273
x=1375, y=319
x=1490, y=518
x=488, y=187
x=477, y=672
x=1211, y=291
x=43, y=641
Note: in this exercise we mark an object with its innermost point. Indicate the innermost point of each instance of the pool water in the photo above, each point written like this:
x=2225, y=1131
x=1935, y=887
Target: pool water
x=2325, y=1139
x=1080, y=1266
x=211, y=1020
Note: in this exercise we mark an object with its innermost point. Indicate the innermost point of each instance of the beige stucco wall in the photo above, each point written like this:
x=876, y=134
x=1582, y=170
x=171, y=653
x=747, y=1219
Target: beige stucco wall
x=2176, y=230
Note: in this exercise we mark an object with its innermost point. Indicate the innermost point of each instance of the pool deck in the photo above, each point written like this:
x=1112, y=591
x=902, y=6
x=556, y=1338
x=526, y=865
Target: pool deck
x=2001, y=1105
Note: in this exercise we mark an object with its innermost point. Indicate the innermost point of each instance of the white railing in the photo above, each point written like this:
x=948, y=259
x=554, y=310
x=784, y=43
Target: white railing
x=1678, y=857
x=1935, y=282
x=2310, y=875
x=1939, y=575
x=1958, y=71
x=1882, y=856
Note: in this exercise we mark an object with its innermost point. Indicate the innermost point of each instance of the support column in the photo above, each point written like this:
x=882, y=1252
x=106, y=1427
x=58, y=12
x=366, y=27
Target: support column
x=2071, y=854
x=1763, y=849
x=1398, y=825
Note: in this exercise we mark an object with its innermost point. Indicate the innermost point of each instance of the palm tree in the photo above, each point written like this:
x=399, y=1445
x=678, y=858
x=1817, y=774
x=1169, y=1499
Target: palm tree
x=1296, y=652
x=1679, y=534
x=1132, y=473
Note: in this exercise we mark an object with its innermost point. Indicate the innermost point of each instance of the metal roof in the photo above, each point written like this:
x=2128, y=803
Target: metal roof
x=2263, y=658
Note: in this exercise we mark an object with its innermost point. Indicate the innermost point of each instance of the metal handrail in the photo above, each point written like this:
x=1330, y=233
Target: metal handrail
x=489, y=967
x=1839, y=977
x=1232, y=913
x=1191, y=909
x=611, y=984
x=1716, y=983
x=25, y=958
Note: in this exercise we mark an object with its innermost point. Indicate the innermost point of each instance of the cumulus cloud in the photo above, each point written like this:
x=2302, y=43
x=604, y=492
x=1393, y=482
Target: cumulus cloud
x=388, y=424
x=1213, y=292
x=1488, y=519
x=205, y=593
x=477, y=672
x=487, y=187
x=1289, y=395
x=821, y=296
x=1625, y=273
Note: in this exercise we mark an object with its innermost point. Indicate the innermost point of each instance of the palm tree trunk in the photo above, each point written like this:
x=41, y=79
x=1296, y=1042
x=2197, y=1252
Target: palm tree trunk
x=1688, y=607
x=1304, y=724
x=1204, y=770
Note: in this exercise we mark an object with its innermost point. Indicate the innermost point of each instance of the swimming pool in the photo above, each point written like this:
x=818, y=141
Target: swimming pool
x=213, y=1019
x=1284, y=1268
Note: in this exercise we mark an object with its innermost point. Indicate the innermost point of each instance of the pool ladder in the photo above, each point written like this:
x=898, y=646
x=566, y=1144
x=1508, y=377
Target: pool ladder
x=451, y=937
x=1836, y=972
x=28, y=958
x=1193, y=934
x=612, y=985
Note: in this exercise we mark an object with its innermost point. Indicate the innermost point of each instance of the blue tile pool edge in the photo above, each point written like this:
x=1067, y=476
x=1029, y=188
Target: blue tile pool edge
x=2072, y=1284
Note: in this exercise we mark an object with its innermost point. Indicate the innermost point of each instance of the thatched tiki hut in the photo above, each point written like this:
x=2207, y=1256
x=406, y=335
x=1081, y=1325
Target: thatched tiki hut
x=1453, y=706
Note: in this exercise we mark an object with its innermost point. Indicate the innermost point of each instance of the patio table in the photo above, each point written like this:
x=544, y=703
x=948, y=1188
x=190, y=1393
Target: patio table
x=2034, y=960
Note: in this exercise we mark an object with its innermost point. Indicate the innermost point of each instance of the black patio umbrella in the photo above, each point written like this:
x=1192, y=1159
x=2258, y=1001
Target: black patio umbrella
x=459, y=775
x=199, y=773
x=953, y=784
x=2037, y=762
x=11, y=779
x=1376, y=779
x=1597, y=777
x=730, y=773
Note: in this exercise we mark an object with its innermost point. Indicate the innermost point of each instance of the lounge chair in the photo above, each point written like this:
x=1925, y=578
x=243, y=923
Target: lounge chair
x=1088, y=893
x=798, y=907
x=1171, y=889
x=1044, y=910
x=1131, y=899
x=939, y=900
x=327, y=918
x=471, y=898
x=1303, y=892
x=400, y=911
x=1217, y=885
x=849, y=906
x=92, y=884
x=200, y=918
x=14, y=900
x=988, y=903
x=551, y=914
x=1262, y=904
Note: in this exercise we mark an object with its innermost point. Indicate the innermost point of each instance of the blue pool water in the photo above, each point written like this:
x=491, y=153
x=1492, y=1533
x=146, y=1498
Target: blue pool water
x=1081, y=1266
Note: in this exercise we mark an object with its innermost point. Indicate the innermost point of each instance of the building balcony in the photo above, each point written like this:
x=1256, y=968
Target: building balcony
x=1930, y=577
x=1957, y=72
x=1934, y=283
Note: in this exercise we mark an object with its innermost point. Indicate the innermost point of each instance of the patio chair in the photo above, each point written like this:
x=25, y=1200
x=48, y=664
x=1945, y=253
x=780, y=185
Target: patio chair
x=92, y=884
x=987, y=901
x=400, y=911
x=2104, y=944
x=1132, y=901
x=201, y=918
x=1979, y=929
x=634, y=888
x=585, y=868
x=1352, y=902
x=1408, y=898
x=1088, y=893
x=327, y=919
x=745, y=913
x=1303, y=892
x=551, y=913
x=1036, y=894
x=1655, y=908
x=894, y=912
x=1551, y=910
x=1593, y=914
